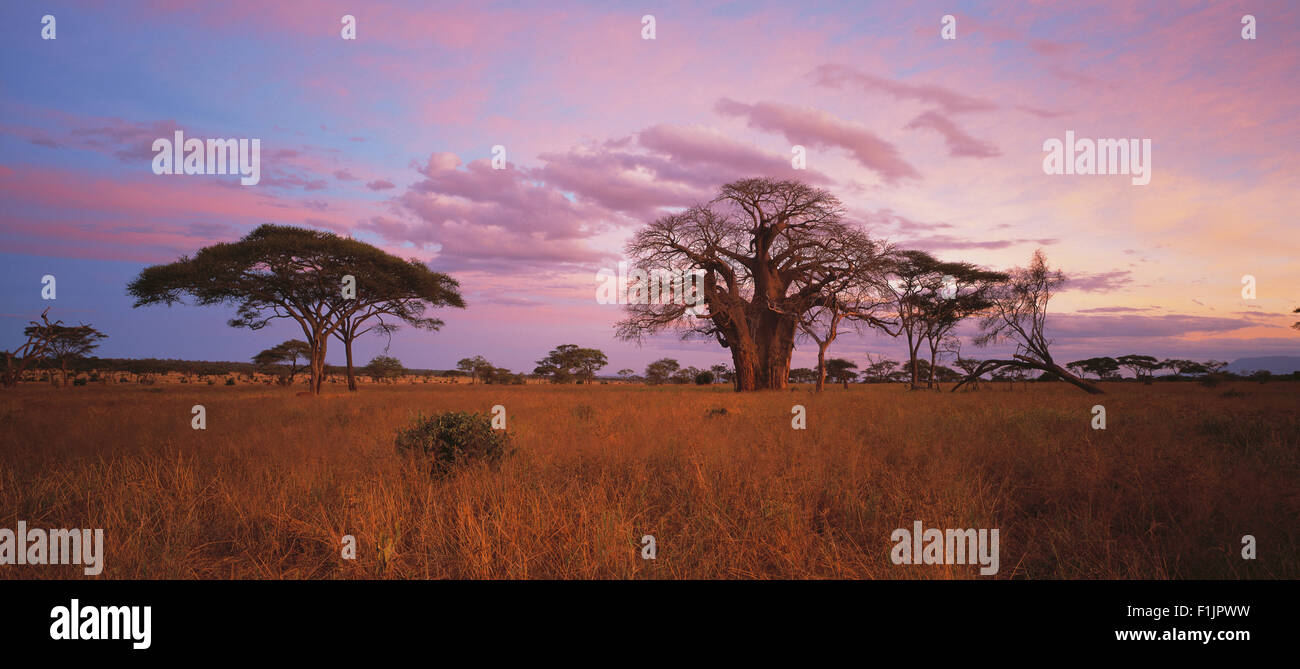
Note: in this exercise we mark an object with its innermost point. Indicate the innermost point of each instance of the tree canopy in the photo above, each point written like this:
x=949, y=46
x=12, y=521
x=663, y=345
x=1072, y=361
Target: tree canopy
x=327, y=284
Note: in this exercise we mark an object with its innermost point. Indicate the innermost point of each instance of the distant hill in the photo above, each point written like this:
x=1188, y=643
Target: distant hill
x=1277, y=364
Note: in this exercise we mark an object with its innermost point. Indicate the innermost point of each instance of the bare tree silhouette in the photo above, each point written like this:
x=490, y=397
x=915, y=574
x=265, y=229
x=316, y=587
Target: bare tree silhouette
x=1018, y=314
x=770, y=250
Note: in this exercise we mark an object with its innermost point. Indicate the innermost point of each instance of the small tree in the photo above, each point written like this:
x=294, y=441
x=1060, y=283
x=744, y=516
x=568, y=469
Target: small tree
x=660, y=371
x=840, y=371
x=803, y=375
x=879, y=369
x=66, y=344
x=476, y=367
x=273, y=359
x=704, y=378
x=1103, y=367
x=1142, y=366
x=569, y=363
x=384, y=368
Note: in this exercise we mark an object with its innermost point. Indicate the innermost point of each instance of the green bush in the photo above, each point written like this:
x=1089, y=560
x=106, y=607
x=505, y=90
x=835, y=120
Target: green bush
x=78, y=381
x=453, y=440
x=230, y=382
x=704, y=378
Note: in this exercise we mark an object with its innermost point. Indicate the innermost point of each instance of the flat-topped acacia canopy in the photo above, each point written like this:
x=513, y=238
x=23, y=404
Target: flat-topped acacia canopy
x=279, y=271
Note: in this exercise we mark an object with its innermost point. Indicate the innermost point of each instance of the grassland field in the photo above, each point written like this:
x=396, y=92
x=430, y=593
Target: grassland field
x=270, y=487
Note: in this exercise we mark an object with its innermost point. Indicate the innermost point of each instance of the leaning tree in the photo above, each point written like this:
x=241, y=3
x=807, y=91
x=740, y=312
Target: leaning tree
x=319, y=280
x=40, y=336
x=769, y=251
x=1018, y=314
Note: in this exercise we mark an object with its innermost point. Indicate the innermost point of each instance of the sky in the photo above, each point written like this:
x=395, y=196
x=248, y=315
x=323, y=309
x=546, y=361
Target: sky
x=930, y=143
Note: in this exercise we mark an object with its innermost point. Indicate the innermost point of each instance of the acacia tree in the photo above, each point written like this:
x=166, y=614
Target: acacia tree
x=64, y=343
x=569, y=362
x=283, y=272
x=388, y=291
x=839, y=370
x=879, y=368
x=1018, y=314
x=384, y=367
x=477, y=367
x=858, y=294
x=769, y=251
x=287, y=351
x=965, y=293
x=39, y=335
x=1103, y=367
x=1142, y=366
x=660, y=371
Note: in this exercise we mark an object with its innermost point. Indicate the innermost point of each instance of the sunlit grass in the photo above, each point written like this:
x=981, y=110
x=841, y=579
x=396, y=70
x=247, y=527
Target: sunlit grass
x=269, y=489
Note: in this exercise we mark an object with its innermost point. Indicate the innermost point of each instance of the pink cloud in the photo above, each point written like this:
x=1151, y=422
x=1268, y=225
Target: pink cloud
x=816, y=128
x=959, y=143
x=836, y=76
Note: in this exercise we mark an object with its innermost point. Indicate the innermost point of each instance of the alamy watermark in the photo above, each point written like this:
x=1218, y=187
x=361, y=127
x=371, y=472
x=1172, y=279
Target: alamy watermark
x=35, y=546
x=935, y=546
x=657, y=286
x=214, y=156
x=1100, y=156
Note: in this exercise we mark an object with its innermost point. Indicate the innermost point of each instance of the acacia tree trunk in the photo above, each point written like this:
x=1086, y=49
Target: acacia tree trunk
x=821, y=365
x=933, y=359
x=352, y=380
x=318, y=345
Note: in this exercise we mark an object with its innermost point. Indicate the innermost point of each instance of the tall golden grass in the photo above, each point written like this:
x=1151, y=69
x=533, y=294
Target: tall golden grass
x=267, y=491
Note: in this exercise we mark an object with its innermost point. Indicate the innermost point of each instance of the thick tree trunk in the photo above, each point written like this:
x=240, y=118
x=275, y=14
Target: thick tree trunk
x=763, y=362
x=745, y=359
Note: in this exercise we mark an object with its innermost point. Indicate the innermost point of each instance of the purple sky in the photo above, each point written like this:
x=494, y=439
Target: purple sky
x=931, y=143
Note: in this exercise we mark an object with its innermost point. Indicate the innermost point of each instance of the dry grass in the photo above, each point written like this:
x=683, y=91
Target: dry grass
x=274, y=482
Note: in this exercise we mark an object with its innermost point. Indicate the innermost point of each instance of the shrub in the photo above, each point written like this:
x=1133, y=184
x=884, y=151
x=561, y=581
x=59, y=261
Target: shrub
x=453, y=440
x=704, y=378
x=230, y=382
x=79, y=381
x=1212, y=380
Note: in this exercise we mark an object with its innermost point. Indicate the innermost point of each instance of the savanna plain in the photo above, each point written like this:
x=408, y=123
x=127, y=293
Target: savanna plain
x=267, y=491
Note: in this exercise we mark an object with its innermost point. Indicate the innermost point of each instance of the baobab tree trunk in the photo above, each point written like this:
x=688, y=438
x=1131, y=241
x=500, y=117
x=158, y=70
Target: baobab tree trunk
x=763, y=362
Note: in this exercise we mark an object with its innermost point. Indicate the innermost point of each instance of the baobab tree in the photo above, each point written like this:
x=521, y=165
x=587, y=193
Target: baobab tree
x=283, y=272
x=769, y=250
x=1018, y=314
